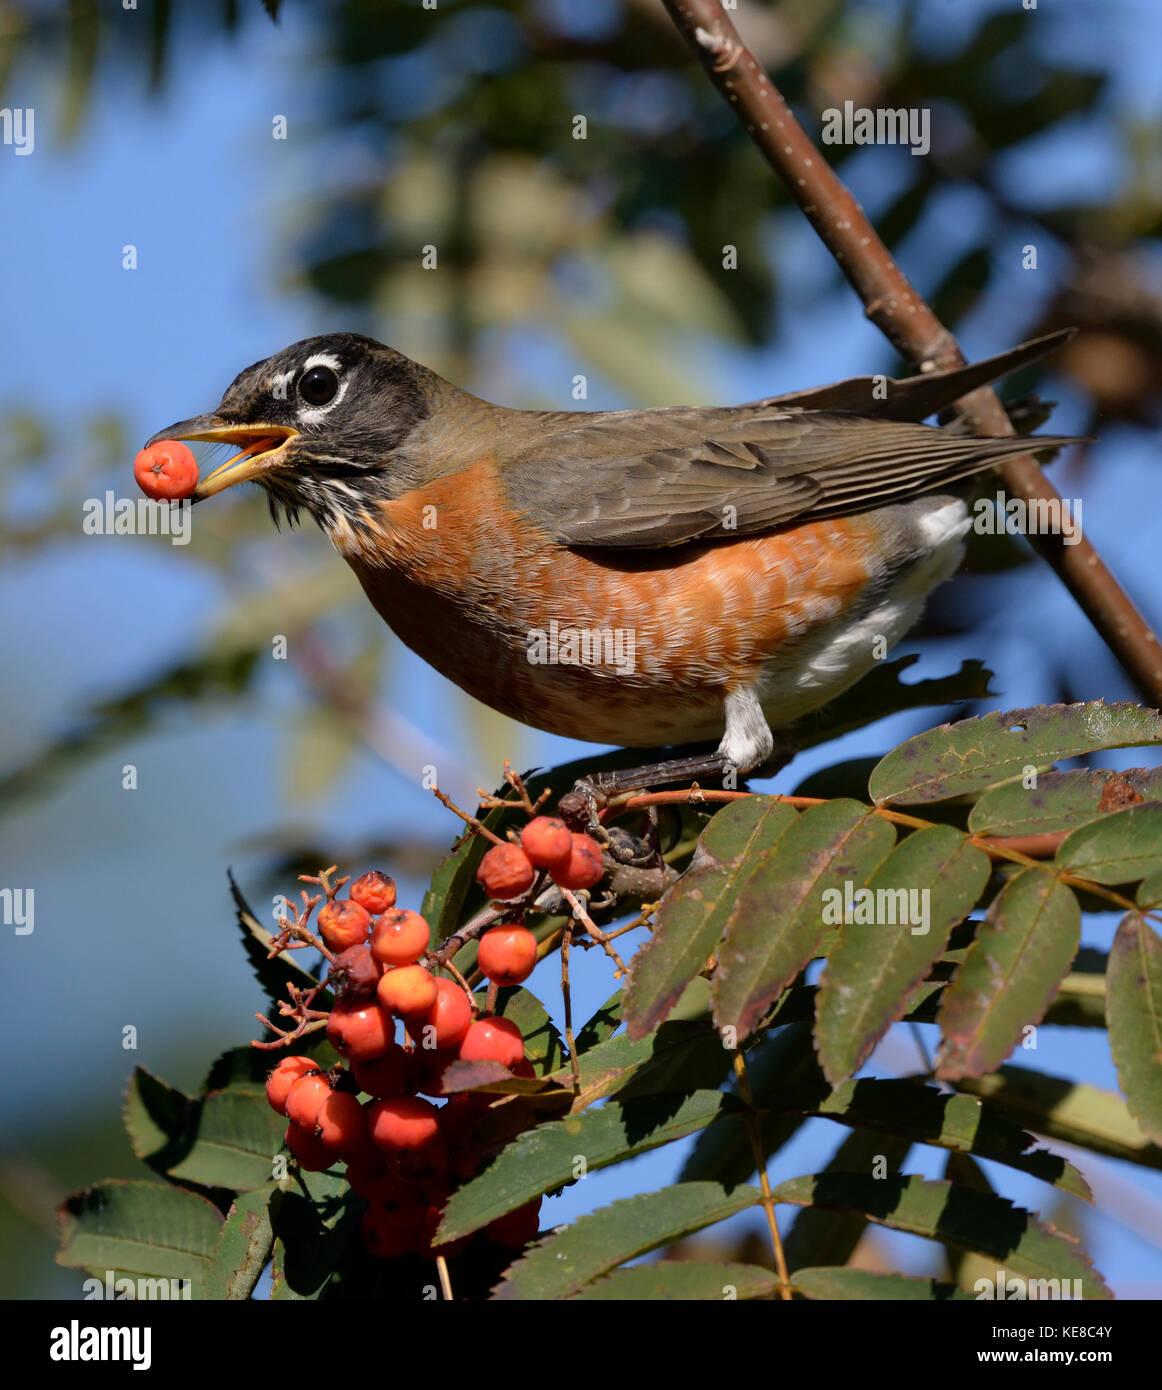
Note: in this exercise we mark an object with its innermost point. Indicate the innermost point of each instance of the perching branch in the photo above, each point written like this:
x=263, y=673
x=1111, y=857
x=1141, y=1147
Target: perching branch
x=894, y=306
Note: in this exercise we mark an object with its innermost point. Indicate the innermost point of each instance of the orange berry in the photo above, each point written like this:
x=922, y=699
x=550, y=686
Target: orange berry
x=305, y=1100
x=360, y=1030
x=402, y=1123
x=507, y=953
x=493, y=1040
x=342, y=1125
x=312, y=1154
x=400, y=937
x=343, y=923
x=446, y=1021
x=374, y=891
x=386, y=1076
x=506, y=872
x=280, y=1079
x=584, y=868
x=166, y=471
x=547, y=841
x=408, y=990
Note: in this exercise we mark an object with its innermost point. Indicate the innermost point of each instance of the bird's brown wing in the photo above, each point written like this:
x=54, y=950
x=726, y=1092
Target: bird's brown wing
x=916, y=397
x=660, y=478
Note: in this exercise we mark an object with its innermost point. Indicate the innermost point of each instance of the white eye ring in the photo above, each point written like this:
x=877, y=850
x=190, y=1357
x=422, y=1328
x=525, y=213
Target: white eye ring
x=311, y=415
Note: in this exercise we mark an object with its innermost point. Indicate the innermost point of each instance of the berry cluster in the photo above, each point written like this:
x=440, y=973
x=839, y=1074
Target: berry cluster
x=404, y=1155
x=508, y=951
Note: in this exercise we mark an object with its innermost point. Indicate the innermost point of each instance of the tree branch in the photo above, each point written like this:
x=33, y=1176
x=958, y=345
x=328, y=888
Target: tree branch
x=894, y=306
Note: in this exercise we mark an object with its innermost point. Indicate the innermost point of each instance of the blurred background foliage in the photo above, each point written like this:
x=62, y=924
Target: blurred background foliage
x=557, y=256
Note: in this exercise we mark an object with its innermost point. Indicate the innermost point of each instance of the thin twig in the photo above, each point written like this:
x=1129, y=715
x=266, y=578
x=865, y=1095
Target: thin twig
x=899, y=312
x=760, y=1161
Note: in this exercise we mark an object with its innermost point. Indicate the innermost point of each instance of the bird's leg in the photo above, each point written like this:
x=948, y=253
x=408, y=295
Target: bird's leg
x=747, y=745
x=581, y=807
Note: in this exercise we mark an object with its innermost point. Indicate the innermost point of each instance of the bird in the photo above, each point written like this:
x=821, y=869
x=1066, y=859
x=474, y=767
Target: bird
x=672, y=576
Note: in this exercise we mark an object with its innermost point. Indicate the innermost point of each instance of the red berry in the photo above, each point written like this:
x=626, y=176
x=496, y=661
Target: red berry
x=507, y=954
x=493, y=1040
x=311, y=1152
x=516, y=1228
x=360, y=1030
x=374, y=891
x=584, y=868
x=305, y=1100
x=446, y=1021
x=280, y=1079
x=400, y=937
x=392, y=1231
x=363, y=1171
x=506, y=872
x=547, y=841
x=388, y=1075
x=402, y=1123
x=430, y=1068
x=408, y=990
x=342, y=1126
x=392, y=1187
x=356, y=971
x=343, y=923
x=166, y=471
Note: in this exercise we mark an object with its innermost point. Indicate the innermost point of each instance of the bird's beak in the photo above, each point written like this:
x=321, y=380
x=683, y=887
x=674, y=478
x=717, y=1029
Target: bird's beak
x=263, y=449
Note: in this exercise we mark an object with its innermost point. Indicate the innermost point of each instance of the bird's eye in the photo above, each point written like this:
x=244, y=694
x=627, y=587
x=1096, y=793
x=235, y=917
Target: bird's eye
x=318, y=386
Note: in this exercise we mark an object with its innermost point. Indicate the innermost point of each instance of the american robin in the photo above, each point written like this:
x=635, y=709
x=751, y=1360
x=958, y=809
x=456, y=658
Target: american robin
x=635, y=577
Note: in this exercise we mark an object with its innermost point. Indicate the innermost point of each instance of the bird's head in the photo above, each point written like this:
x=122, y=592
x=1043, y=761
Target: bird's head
x=320, y=427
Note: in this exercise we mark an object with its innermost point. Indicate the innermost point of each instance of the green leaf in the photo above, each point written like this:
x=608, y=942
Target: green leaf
x=156, y=1115
x=1122, y=847
x=777, y=924
x=697, y=910
x=681, y=1281
x=602, y=1026
x=854, y=1284
x=1060, y=800
x=973, y=754
x=1150, y=891
x=243, y=1247
x=142, y=1229
x=1135, y=1020
x=956, y=1216
x=314, y=1221
x=230, y=1141
x=678, y=1055
x=1067, y=1110
x=549, y=1156
x=598, y=1242
x=830, y=1235
x=925, y=1115
x=723, y=1151
x=873, y=970
x=1010, y=973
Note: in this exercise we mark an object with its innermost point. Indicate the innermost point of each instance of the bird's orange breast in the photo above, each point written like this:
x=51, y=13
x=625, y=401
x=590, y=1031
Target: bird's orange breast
x=480, y=593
